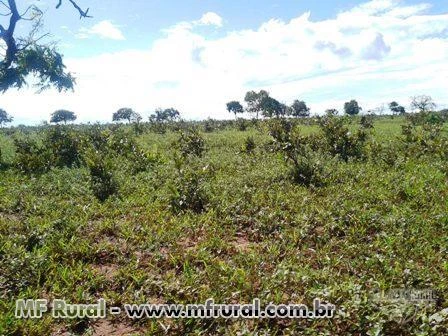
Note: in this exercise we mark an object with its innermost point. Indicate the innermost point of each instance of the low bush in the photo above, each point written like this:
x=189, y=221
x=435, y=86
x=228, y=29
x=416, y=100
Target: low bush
x=102, y=181
x=190, y=142
x=31, y=156
x=341, y=142
x=188, y=190
x=249, y=145
x=64, y=145
x=306, y=165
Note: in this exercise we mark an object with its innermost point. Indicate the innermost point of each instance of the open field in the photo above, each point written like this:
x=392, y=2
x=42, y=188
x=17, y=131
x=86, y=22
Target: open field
x=184, y=216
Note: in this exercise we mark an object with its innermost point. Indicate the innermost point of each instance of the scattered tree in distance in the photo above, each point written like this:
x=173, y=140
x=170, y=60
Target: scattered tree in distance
x=422, y=103
x=235, y=107
x=254, y=101
x=396, y=108
x=126, y=113
x=299, y=109
x=272, y=108
x=352, y=107
x=165, y=115
x=62, y=116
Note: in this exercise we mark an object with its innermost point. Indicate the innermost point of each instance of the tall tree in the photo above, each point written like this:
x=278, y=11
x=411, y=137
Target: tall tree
x=352, y=107
x=396, y=108
x=423, y=103
x=254, y=100
x=272, y=107
x=126, y=113
x=235, y=107
x=299, y=109
x=62, y=116
x=27, y=55
x=4, y=117
x=165, y=115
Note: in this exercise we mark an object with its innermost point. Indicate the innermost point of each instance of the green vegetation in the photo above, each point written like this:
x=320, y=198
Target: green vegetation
x=282, y=210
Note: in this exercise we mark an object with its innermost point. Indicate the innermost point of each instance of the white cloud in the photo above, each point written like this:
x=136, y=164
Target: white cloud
x=208, y=19
x=211, y=19
x=376, y=52
x=104, y=29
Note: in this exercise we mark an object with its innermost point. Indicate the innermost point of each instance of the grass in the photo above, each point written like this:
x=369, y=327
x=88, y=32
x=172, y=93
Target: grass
x=371, y=226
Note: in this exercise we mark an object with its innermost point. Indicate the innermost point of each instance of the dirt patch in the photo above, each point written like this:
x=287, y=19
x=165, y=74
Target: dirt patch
x=109, y=271
x=241, y=243
x=188, y=243
x=107, y=328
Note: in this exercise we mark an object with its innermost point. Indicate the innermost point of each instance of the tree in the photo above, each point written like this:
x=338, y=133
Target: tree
x=4, y=117
x=271, y=107
x=254, y=100
x=26, y=55
x=422, y=103
x=126, y=113
x=62, y=115
x=166, y=115
x=352, y=107
x=235, y=107
x=396, y=108
x=331, y=112
x=299, y=109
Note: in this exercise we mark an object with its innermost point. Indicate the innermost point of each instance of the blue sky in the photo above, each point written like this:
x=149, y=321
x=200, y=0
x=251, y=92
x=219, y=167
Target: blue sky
x=197, y=54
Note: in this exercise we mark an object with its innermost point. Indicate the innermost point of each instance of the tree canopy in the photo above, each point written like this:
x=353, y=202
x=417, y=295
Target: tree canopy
x=422, y=103
x=165, y=115
x=272, y=107
x=62, y=116
x=396, y=108
x=235, y=107
x=299, y=109
x=126, y=113
x=352, y=107
x=4, y=117
x=27, y=55
x=254, y=101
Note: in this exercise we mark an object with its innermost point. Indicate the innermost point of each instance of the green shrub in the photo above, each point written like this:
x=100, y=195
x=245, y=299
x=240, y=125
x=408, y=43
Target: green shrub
x=426, y=139
x=385, y=153
x=306, y=165
x=190, y=142
x=208, y=126
x=31, y=157
x=340, y=141
x=366, y=122
x=242, y=124
x=249, y=145
x=188, y=191
x=97, y=137
x=307, y=168
x=2, y=163
x=64, y=145
x=102, y=180
x=141, y=160
x=60, y=147
x=158, y=127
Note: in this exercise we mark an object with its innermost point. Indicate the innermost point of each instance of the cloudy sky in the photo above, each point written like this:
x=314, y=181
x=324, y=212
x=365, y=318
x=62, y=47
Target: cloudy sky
x=195, y=55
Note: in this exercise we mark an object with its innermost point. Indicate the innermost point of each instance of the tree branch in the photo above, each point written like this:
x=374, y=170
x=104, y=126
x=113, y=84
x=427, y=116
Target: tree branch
x=4, y=4
x=39, y=59
x=82, y=14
